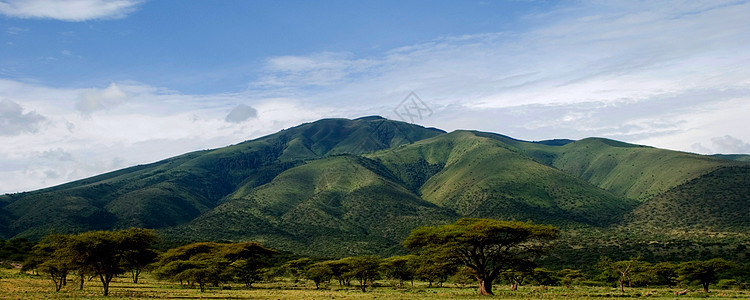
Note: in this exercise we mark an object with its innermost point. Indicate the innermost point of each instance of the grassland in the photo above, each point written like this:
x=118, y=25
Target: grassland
x=14, y=285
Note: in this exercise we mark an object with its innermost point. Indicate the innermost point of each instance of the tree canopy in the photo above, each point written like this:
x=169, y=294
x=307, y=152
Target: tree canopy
x=487, y=247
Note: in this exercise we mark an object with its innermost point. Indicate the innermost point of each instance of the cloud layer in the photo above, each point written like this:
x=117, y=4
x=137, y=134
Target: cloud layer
x=68, y=10
x=667, y=74
x=13, y=120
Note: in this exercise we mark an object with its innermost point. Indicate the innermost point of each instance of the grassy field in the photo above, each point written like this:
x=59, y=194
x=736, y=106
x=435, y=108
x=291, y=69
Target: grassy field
x=21, y=286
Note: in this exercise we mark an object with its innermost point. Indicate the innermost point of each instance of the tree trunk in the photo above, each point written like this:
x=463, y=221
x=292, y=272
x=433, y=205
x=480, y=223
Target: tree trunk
x=705, y=287
x=136, y=273
x=622, y=286
x=485, y=287
x=106, y=279
x=83, y=279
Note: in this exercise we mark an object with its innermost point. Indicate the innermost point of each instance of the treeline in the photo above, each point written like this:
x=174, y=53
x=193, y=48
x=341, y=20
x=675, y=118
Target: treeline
x=471, y=251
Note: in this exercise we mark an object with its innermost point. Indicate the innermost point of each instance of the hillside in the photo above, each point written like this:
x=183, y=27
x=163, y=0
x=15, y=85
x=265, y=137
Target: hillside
x=477, y=176
x=339, y=187
x=176, y=190
x=714, y=202
x=627, y=170
x=334, y=206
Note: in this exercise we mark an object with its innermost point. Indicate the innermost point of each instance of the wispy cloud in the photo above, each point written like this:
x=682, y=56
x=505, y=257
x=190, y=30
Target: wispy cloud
x=16, y=30
x=68, y=10
x=666, y=74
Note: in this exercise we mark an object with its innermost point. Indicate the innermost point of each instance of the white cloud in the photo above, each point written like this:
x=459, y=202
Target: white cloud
x=16, y=30
x=241, y=113
x=106, y=98
x=730, y=144
x=666, y=74
x=68, y=10
x=13, y=120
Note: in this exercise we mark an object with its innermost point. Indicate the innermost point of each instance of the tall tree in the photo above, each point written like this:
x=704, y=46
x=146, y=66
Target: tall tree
x=210, y=262
x=53, y=256
x=319, y=273
x=102, y=253
x=488, y=247
x=364, y=269
x=137, y=250
x=665, y=273
x=703, y=272
x=399, y=268
x=624, y=271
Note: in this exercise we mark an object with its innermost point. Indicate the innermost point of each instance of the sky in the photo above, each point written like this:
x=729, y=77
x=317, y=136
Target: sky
x=90, y=86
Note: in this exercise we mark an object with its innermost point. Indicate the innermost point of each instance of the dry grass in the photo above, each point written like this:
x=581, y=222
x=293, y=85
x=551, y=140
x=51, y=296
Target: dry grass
x=14, y=285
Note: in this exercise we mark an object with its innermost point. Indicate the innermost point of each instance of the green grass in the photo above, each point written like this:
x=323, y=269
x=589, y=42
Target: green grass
x=17, y=286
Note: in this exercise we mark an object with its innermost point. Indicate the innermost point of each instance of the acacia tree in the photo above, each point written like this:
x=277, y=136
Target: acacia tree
x=340, y=271
x=319, y=273
x=399, y=267
x=487, y=247
x=624, y=270
x=137, y=251
x=703, y=272
x=363, y=268
x=52, y=256
x=102, y=253
x=434, y=268
x=205, y=263
x=665, y=273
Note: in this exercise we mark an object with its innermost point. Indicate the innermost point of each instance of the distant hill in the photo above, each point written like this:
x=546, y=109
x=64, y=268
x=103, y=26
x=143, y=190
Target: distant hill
x=339, y=187
x=737, y=157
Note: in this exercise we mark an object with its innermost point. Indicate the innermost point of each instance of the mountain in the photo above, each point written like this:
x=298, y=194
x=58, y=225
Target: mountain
x=177, y=190
x=339, y=187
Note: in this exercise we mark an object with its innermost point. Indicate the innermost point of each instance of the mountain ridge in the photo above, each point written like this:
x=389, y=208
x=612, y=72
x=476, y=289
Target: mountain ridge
x=366, y=182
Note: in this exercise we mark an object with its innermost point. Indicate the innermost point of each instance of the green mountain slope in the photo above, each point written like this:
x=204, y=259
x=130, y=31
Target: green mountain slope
x=633, y=171
x=177, y=190
x=340, y=187
x=714, y=202
x=737, y=157
x=336, y=206
x=482, y=177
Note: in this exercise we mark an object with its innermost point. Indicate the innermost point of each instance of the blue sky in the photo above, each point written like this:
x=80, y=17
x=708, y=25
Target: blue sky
x=89, y=86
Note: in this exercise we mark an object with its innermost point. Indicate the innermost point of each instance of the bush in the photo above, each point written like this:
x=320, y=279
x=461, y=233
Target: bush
x=728, y=284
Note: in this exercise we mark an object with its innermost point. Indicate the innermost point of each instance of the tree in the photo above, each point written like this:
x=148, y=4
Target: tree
x=210, y=263
x=543, y=276
x=137, y=251
x=251, y=269
x=570, y=276
x=703, y=272
x=102, y=253
x=296, y=268
x=340, y=271
x=363, y=268
x=517, y=272
x=624, y=270
x=52, y=256
x=665, y=273
x=399, y=268
x=318, y=273
x=488, y=247
x=105, y=254
x=433, y=268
